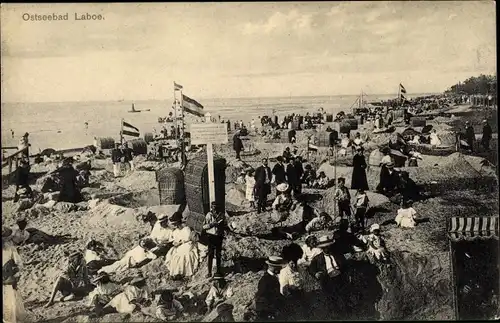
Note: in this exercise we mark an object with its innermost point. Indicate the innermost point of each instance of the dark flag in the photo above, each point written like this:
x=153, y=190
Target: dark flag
x=127, y=127
x=192, y=106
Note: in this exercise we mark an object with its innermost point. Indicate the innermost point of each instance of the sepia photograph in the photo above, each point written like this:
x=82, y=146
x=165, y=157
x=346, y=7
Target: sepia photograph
x=249, y=161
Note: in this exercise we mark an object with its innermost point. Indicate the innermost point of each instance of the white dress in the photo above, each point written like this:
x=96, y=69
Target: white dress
x=309, y=254
x=435, y=140
x=13, y=307
x=184, y=259
x=406, y=218
x=134, y=256
x=249, y=194
x=160, y=234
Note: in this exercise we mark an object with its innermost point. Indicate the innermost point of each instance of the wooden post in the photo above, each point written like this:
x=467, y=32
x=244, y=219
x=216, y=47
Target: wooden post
x=210, y=162
x=121, y=133
x=335, y=175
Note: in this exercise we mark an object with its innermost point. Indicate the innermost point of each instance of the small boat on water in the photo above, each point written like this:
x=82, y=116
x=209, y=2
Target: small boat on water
x=133, y=110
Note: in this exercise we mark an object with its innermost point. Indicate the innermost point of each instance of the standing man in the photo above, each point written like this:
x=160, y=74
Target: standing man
x=129, y=157
x=469, y=135
x=328, y=268
x=292, y=177
x=299, y=168
x=22, y=179
x=116, y=156
x=343, y=198
x=237, y=145
x=263, y=177
x=279, y=172
x=214, y=225
x=24, y=143
x=487, y=134
x=333, y=138
x=268, y=299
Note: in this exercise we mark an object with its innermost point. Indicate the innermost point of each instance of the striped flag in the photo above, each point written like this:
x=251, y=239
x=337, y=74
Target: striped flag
x=127, y=129
x=192, y=106
x=402, y=88
x=177, y=87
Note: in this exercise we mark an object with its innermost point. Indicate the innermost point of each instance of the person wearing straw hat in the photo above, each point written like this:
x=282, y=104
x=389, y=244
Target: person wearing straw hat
x=376, y=245
x=218, y=293
x=329, y=269
x=73, y=282
x=162, y=234
x=104, y=292
x=183, y=258
x=487, y=135
x=13, y=306
x=282, y=204
x=134, y=258
x=268, y=299
x=136, y=294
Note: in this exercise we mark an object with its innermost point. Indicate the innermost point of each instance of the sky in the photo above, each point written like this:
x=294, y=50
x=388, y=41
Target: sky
x=233, y=50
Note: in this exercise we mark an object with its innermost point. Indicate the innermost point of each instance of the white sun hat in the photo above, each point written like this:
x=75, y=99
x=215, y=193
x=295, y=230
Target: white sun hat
x=282, y=187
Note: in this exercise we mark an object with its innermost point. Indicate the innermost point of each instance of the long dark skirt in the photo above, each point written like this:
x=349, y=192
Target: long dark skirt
x=359, y=180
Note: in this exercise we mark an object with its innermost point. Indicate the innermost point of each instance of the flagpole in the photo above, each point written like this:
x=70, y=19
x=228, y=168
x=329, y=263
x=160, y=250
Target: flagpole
x=175, y=113
x=121, y=133
x=183, y=149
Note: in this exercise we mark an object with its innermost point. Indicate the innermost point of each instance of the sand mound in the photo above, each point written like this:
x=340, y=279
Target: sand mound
x=329, y=203
x=139, y=181
x=236, y=196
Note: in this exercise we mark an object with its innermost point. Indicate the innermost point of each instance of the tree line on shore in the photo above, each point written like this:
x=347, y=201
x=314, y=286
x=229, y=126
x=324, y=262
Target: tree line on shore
x=482, y=84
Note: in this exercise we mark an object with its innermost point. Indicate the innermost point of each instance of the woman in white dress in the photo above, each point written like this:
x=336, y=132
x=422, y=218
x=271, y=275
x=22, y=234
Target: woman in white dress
x=136, y=294
x=406, y=216
x=162, y=236
x=250, y=189
x=435, y=141
x=134, y=258
x=183, y=258
x=13, y=307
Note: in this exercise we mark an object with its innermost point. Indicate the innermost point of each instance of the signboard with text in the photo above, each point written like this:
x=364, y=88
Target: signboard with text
x=208, y=133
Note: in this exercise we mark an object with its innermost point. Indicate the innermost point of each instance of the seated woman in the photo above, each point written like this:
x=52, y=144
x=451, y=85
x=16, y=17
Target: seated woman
x=149, y=218
x=135, y=258
x=162, y=236
x=73, y=282
x=406, y=215
x=282, y=204
x=104, y=292
x=309, y=250
x=135, y=296
x=183, y=258
x=95, y=256
x=322, y=181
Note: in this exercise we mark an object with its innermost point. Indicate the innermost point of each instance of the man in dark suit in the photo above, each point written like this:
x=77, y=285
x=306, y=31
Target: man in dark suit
x=263, y=177
x=237, y=145
x=329, y=268
x=279, y=172
x=292, y=177
x=333, y=138
x=268, y=299
x=299, y=168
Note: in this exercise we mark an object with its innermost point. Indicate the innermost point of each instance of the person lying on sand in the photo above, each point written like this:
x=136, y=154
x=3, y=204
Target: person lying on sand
x=95, y=256
x=167, y=308
x=322, y=181
x=135, y=258
x=322, y=222
x=74, y=281
x=309, y=250
x=135, y=296
x=23, y=235
x=104, y=292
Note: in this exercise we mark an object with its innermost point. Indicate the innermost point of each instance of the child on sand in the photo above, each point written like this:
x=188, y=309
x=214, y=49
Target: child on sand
x=406, y=215
x=74, y=281
x=250, y=189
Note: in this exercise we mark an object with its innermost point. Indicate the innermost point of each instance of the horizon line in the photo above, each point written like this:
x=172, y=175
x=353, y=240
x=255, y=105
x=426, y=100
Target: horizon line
x=223, y=98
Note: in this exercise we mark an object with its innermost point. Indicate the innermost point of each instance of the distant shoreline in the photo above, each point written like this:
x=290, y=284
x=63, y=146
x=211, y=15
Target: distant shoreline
x=222, y=99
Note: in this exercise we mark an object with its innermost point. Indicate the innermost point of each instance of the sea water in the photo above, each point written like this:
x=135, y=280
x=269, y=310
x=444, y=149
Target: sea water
x=62, y=125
